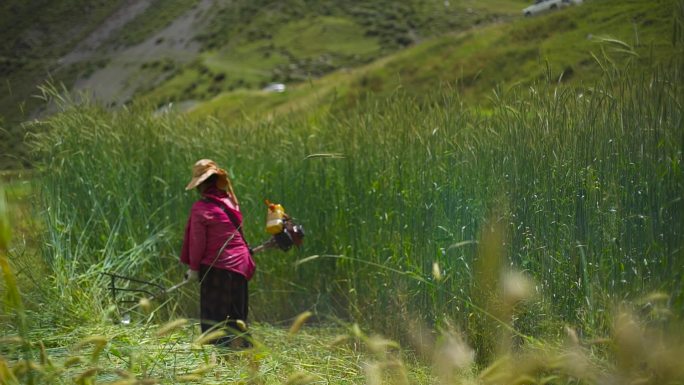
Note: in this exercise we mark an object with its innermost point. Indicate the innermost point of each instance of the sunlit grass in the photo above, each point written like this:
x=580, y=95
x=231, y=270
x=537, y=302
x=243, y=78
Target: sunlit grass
x=556, y=45
x=586, y=182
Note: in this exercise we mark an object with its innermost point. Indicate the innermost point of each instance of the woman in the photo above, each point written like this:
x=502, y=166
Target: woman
x=217, y=253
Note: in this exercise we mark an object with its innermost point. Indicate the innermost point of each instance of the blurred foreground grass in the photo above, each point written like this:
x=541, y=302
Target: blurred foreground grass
x=106, y=353
x=642, y=349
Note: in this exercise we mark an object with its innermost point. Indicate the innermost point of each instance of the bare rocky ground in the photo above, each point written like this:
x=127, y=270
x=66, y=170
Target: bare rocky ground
x=85, y=50
x=117, y=81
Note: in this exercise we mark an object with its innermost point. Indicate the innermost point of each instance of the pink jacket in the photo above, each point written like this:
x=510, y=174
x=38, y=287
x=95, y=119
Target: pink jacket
x=208, y=229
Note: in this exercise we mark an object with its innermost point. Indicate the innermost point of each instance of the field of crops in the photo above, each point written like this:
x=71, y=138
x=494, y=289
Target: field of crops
x=440, y=226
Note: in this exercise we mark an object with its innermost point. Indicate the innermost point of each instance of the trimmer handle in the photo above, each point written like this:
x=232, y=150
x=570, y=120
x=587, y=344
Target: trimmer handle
x=269, y=244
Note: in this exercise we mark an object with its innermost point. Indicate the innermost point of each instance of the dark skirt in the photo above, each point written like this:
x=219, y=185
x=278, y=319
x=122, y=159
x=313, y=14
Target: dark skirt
x=223, y=301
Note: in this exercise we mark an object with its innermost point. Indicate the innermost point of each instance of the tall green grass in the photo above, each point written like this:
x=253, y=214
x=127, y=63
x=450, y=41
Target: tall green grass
x=585, y=184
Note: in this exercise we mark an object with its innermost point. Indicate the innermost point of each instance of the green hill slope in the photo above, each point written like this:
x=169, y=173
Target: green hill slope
x=562, y=46
x=162, y=51
x=250, y=44
x=329, y=54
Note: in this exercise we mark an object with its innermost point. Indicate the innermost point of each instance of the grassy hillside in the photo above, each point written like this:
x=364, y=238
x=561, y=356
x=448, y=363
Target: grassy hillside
x=558, y=47
x=234, y=45
x=250, y=44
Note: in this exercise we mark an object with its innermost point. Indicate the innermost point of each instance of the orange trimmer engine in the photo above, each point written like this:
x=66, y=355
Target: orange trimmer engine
x=282, y=227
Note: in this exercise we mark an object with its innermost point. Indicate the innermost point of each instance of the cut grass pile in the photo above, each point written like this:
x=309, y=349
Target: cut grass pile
x=107, y=353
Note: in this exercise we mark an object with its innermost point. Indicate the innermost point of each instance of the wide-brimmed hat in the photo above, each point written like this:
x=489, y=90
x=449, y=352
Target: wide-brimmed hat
x=203, y=169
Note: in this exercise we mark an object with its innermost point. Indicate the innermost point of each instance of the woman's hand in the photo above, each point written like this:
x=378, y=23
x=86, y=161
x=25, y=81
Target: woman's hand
x=191, y=275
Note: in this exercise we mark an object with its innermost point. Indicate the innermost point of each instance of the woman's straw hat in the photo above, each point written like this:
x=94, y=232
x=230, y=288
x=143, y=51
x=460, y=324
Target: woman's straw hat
x=203, y=169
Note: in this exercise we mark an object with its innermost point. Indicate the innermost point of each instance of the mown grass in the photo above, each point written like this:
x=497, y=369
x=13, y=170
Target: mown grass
x=643, y=349
x=107, y=353
x=151, y=354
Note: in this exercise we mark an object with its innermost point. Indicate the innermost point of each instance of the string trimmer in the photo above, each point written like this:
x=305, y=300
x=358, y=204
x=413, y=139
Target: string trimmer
x=285, y=233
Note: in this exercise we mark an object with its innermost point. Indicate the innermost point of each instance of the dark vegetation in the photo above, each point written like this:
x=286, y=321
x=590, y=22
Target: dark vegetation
x=35, y=34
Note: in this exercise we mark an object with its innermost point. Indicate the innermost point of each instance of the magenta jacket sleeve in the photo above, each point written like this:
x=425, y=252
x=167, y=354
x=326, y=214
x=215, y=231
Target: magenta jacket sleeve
x=194, y=241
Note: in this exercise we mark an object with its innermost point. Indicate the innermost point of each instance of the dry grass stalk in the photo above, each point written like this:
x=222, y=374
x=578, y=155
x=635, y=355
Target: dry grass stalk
x=71, y=361
x=13, y=340
x=299, y=322
x=6, y=375
x=452, y=358
x=91, y=340
x=145, y=305
x=98, y=343
x=5, y=228
x=571, y=334
x=421, y=337
x=208, y=337
x=88, y=373
x=129, y=381
x=516, y=287
x=499, y=372
x=372, y=373
x=241, y=325
x=436, y=271
x=339, y=340
x=649, y=355
x=397, y=372
x=189, y=378
x=203, y=370
x=300, y=378
x=44, y=357
x=381, y=346
x=171, y=326
x=22, y=367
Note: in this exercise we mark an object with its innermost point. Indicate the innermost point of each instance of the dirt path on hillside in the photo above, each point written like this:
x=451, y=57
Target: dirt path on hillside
x=116, y=83
x=87, y=48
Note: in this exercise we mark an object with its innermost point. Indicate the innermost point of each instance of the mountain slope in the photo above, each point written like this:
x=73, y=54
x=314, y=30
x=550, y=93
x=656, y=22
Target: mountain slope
x=566, y=46
x=34, y=35
x=215, y=56
x=163, y=51
x=255, y=43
